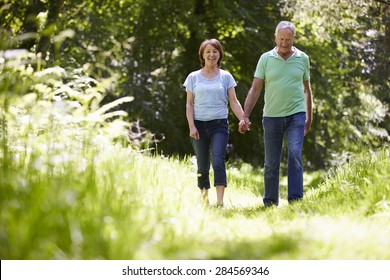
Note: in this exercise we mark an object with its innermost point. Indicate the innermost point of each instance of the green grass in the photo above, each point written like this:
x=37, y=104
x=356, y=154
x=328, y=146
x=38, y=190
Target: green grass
x=71, y=189
x=104, y=201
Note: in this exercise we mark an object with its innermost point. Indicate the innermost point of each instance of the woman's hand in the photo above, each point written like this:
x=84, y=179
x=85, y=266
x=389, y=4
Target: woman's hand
x=194, y=133
x=244, y=126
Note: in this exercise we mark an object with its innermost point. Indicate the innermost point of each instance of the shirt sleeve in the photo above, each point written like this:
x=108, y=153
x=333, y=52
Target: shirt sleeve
x=306, y=75
x=230, y=81
x=260, y=68
x=189, y=83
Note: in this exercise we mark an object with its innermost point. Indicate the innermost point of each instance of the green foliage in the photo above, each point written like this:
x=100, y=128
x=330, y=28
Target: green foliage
x=347, y=46
x=52, y=124
x=69, y=192
x=151, y=46
x=92, y=199
x=53, y=110
x=73, y=187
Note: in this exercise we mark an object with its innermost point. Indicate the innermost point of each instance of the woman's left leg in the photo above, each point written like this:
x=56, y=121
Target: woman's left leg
x=219, y=140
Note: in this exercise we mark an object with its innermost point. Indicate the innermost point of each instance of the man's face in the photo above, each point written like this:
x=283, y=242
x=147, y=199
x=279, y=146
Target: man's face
x=284, y=40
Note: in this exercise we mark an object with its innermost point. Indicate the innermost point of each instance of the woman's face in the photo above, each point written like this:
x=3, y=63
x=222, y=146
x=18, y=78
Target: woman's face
x=211, y=55
x=284, y=40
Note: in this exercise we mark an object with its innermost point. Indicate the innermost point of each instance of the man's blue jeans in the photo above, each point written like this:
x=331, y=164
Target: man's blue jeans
x=214, y=136
x=274, y=130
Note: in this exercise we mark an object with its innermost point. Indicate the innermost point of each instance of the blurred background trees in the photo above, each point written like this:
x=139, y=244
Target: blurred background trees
x=147, y=48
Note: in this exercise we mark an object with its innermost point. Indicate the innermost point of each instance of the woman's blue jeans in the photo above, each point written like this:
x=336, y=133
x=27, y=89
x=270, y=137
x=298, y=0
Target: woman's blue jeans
x=274, y=130
x=211, y=146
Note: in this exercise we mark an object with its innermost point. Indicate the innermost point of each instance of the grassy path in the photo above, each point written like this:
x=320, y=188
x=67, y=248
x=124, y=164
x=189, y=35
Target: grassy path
x=121, y=205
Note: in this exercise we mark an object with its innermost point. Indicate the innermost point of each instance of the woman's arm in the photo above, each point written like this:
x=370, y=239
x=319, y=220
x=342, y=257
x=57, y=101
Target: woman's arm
x=235, y=104
x=190, y=115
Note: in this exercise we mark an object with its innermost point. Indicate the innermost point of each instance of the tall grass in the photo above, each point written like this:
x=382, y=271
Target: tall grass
x=69, y=189
x=116, y=203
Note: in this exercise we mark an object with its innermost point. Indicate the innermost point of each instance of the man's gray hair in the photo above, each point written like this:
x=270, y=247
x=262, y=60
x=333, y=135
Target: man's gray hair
x=285, y=24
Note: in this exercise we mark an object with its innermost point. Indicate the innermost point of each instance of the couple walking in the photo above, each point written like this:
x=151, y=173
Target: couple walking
x=284, y=71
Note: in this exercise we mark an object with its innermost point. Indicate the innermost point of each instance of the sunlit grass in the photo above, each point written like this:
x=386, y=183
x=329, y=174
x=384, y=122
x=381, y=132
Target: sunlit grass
x=116, y=203
x=70, y=188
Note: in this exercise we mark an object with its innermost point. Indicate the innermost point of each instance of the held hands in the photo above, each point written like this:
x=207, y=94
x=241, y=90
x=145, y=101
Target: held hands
x=244, y=125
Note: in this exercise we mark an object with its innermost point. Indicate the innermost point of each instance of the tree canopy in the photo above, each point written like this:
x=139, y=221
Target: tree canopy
x=147, y=48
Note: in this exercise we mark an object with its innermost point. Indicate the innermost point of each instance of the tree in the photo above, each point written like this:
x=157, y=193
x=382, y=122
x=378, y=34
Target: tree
x=149, y=47
x=347, y=43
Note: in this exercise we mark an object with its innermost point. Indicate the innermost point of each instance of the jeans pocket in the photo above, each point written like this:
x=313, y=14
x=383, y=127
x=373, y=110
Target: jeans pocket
x=223, y=123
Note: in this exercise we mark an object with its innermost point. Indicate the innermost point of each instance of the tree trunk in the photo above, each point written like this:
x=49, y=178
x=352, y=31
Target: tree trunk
x=30, y=24
x=50, y=28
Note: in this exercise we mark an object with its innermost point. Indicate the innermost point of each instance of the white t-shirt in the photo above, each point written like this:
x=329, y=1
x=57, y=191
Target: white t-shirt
x=210, y=95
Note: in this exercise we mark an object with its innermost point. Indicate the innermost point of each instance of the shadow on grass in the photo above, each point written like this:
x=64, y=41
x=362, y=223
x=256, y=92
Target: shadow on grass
x=274, y=245
x=250, y=212
x=277, y=246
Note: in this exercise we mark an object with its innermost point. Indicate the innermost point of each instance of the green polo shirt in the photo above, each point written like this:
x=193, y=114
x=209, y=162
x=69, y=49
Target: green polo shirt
x=284, y=95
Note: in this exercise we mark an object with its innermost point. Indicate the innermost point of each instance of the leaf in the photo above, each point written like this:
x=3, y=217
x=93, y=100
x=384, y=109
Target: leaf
x=113, y=104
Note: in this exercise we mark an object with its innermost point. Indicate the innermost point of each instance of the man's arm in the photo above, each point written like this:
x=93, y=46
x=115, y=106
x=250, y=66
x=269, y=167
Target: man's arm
x=252, y=97
x=309, y=105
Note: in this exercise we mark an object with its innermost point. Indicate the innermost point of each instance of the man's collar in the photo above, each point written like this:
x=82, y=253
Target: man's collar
x=297, y=52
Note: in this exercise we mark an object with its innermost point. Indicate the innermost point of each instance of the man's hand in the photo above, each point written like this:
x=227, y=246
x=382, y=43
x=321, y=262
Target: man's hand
x=244, y=125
